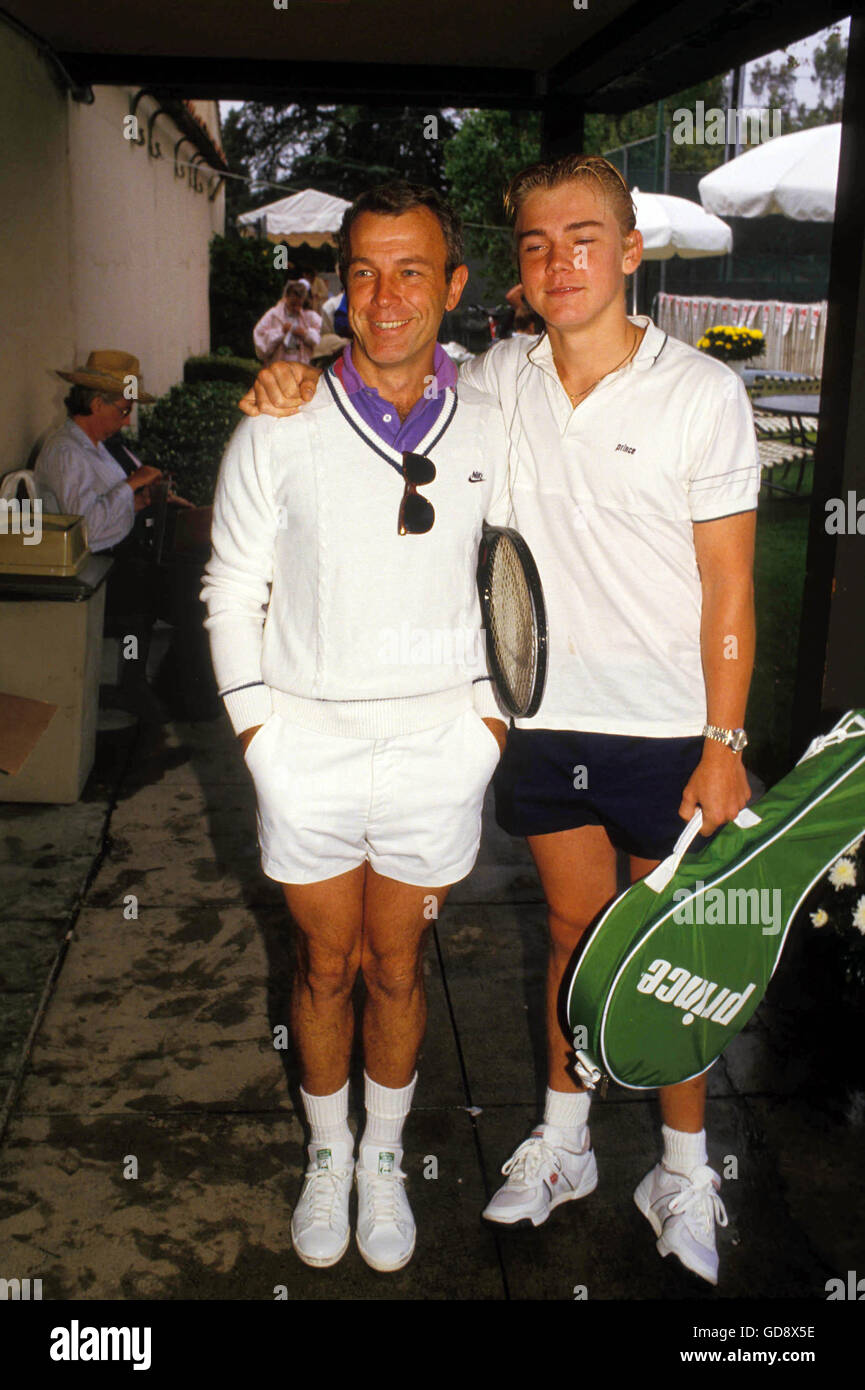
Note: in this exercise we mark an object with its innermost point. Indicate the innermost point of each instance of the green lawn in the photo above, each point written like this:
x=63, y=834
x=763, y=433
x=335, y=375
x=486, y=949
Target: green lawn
x=782, y=540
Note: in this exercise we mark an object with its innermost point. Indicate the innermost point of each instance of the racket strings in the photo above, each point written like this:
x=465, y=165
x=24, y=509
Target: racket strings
x=512, y=622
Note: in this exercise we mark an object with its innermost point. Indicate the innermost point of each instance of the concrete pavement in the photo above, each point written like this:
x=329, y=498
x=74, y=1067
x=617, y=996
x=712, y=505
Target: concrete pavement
x=153, y=1148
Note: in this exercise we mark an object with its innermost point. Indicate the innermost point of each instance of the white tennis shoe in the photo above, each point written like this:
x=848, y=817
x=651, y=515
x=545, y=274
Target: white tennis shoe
x=541, y=1174
x=682, y=1212
x=385, y=1225
x=319, y=1224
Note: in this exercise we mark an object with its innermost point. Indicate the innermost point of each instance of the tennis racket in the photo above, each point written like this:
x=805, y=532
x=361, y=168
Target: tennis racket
x=515, y=619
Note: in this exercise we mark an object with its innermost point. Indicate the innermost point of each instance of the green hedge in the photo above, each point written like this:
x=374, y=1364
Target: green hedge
x=243, y=285
x=185, y=434
x=221, y=366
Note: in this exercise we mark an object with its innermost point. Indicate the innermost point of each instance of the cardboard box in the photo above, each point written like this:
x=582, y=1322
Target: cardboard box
x=22, y=724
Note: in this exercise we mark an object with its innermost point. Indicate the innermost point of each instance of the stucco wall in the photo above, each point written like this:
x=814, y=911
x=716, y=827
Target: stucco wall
x=102, y=246
x=36, y=297
x=140, y=238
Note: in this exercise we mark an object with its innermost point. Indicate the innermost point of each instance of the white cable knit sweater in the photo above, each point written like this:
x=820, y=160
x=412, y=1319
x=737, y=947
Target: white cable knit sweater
x=317, y=607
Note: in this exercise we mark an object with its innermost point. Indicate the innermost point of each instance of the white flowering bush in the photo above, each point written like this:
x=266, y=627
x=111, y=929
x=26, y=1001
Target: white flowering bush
x=840, y=909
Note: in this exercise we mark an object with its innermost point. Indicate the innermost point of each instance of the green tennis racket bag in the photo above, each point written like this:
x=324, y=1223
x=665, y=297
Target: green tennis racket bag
x=677, y=965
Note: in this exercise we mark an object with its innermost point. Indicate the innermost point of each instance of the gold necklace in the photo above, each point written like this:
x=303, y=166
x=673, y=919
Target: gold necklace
x=626, y=358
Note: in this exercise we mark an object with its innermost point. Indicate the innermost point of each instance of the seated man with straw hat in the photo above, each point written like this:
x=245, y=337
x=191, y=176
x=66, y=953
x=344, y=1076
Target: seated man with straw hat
x=74, y=462
x=109, y=489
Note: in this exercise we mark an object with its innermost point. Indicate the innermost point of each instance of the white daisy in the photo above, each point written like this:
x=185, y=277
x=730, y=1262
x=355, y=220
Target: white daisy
x=843, y=873
x=820, y=917
x=859, y=915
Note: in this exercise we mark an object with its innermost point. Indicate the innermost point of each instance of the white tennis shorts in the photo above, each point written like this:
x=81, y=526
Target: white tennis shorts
x=410, y=805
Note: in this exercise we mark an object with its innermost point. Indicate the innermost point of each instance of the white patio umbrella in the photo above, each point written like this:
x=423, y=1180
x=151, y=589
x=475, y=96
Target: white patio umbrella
x=309, y=217
x=677, y=227
x=794, y=175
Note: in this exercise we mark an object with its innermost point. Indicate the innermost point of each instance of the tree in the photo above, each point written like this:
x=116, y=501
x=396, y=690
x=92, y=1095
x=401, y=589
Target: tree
x=480, y=160
x=243, y=284
x=830, y=68
x=336, y=149
x=606, y=134
x=774, y=85
x=491, y=146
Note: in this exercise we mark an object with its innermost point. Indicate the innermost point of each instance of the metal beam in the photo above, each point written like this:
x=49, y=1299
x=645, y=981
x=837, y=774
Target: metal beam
x=561, y=127
x=654, y=50
x=831, y=671
x=385, y=84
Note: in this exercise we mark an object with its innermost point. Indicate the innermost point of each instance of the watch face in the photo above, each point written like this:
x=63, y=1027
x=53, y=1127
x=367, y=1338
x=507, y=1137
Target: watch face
x=739, y=740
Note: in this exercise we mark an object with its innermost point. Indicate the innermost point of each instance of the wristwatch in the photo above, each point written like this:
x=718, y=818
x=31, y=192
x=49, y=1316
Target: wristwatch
x=736, y=739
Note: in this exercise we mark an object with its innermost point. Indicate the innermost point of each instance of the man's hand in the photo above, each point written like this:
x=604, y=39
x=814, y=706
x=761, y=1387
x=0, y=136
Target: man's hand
x=247, y=736
x=280, y=390
x=719, y=786
x=499, y=730
x=144, y=476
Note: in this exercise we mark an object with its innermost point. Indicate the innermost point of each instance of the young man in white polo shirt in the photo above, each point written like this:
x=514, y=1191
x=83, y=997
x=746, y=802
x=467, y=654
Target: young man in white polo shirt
x=635, y=481
x=345, y=630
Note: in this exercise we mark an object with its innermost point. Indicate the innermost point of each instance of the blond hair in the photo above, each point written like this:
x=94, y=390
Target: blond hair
x=574, y=168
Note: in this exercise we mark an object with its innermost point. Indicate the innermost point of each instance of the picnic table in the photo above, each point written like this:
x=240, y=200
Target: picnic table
x=794, y=406
x=802, y=412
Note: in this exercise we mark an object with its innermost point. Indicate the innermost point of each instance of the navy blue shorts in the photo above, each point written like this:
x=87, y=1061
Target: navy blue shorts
x=551, y=779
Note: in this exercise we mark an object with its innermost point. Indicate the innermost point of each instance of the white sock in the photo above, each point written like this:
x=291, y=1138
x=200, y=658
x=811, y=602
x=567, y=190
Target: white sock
x=386, y=1112
x=683, y=1152
x=568, y=1111
x=328, y=1117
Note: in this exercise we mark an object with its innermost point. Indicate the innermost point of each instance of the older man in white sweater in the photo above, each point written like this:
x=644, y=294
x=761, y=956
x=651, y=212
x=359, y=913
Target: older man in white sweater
x=345, y=631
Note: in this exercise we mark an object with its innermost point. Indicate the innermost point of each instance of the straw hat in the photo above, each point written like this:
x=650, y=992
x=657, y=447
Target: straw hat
x=328, y=345
x=110, y=371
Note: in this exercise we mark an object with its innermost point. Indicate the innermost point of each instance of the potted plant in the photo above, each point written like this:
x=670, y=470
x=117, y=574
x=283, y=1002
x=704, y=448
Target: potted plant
x=732, y=344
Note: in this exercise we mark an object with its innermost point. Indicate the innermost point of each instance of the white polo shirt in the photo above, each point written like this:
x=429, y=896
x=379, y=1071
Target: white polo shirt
x=606, y=496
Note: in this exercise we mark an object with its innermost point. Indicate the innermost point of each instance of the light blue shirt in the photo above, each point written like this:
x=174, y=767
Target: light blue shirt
x=87, y=482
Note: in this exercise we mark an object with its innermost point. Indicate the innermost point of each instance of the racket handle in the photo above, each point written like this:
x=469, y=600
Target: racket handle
x=658, y=879
x=586, y=1070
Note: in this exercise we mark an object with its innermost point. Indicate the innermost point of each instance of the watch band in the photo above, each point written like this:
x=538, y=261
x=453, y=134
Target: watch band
x=736, y=739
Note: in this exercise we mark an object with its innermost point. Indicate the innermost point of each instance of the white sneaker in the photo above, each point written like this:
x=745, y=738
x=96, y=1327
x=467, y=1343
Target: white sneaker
x=385, y=1225
x=682, y=1212
x=319, y=1225
x=541, y=1174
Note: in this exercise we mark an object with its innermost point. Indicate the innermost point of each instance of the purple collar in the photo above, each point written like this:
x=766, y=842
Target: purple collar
x=382, y=417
